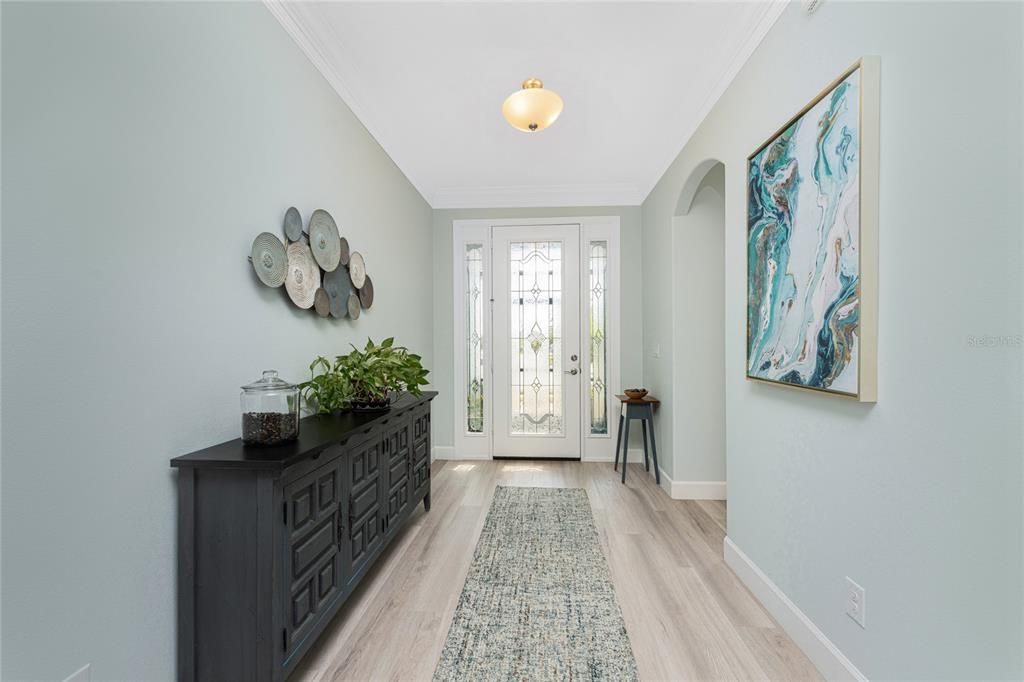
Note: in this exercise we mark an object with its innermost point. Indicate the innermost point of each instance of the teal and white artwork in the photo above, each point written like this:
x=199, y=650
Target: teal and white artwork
x=804, y=247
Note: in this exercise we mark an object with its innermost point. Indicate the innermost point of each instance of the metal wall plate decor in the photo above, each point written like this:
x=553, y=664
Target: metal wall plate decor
x=269, y=259
x=324, y=240
x=293, y=224
x=317, y=267
x=303, y=275
x=366, y=293
x=322, y=302
x=338, y=287
x=344, y=251
x=357, y=269
x=353, y=306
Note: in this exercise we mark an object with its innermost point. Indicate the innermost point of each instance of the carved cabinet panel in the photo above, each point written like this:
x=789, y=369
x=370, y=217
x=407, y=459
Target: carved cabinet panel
x=312, y=516
x=366, y=525
x=420, y=455
x=397, y=488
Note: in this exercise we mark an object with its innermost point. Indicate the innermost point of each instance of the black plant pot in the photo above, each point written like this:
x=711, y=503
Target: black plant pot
x=371, y=405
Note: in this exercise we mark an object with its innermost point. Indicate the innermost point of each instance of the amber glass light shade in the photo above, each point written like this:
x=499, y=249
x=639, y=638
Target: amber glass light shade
x=533, y=108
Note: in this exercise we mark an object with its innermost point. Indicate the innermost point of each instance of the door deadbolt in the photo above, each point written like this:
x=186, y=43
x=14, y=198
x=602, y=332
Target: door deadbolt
x=573, y=358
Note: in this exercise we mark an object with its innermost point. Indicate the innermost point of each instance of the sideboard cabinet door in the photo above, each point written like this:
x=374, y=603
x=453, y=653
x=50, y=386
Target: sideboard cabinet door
x=365, y=515
x=420, y=450
x=397, y=488
x=312, y=560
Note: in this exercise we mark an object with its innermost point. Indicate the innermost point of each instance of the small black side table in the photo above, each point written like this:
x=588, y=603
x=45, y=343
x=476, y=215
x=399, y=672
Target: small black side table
x=642, y=409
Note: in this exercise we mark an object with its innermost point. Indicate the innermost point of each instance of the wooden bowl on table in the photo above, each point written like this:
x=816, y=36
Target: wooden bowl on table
x=635, y=393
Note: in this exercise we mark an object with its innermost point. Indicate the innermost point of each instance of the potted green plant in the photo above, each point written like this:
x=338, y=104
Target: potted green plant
x=365, y=380
x=328, y=390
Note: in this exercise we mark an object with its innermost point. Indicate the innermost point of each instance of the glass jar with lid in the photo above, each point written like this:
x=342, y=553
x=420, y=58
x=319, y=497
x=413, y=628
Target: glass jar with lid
x=270, y=411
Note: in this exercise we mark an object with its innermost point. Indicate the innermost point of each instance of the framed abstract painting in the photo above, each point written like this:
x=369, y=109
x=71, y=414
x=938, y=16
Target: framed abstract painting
x=812, y=243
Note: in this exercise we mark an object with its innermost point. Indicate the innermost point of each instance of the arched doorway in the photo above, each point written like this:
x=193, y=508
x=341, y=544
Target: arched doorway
x=698, y=334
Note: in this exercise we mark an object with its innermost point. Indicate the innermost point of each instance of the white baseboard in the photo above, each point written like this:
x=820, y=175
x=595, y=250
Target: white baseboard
x=698, y=490
x=442, y=452
x=83, y=674
x=692, y=490
x=829, y=660
x=448, y=452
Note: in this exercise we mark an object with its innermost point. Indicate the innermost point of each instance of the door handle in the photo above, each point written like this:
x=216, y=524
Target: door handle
x=572, y=371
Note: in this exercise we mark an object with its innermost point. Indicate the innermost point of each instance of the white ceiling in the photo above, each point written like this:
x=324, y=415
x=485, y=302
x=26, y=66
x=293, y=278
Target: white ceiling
x=427, y=79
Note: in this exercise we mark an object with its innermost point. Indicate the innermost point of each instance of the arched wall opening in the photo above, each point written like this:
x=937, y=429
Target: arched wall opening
x=698, y=334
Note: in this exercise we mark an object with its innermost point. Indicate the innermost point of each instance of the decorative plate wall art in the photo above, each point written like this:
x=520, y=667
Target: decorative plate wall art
x=303, y=275
x=812, y=243
x=269, y=259
x=316, y=268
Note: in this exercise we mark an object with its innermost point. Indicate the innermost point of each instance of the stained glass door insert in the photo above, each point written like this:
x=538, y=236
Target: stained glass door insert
x=537, y=341
x=535, y=367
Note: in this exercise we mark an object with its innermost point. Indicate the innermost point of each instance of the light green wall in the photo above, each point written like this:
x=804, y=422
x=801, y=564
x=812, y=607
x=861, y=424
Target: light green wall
x=144, y=146
x=917, y=498
x=697, y=404
x=631, y=364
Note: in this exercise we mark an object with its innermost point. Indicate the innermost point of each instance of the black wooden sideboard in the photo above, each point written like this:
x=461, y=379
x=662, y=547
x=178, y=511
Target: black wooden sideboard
x=272, y=541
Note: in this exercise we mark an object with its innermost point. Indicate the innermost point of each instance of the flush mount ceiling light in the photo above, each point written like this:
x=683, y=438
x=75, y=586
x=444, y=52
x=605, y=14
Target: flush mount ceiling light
x=533, y=108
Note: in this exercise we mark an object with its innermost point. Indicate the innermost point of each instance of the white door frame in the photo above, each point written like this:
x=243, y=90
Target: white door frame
x=594, y=447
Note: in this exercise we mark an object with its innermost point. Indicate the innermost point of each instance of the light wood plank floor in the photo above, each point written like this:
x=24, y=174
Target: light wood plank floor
x=687, y=615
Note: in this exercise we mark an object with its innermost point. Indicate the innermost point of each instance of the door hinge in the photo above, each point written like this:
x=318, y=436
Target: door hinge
x=284, y=639
x=284, y=513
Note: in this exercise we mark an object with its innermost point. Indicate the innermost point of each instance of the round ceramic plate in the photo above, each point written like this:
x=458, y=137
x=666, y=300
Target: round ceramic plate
x=269, y=259
x=366, y=292
x=303, y=277
x=324, y=240
x=322, y=302
x=357, y=269
x=338, y=287
x=293, y=224
x=353, y=306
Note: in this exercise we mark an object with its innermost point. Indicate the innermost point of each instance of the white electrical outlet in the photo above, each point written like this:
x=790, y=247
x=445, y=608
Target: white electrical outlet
x=856, y=608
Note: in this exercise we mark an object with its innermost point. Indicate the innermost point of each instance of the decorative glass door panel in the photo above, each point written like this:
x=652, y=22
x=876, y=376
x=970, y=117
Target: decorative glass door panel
x=535, y=368
x=537, y=341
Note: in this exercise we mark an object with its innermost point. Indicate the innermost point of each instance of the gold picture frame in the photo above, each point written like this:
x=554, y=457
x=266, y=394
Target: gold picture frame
x=868, y=114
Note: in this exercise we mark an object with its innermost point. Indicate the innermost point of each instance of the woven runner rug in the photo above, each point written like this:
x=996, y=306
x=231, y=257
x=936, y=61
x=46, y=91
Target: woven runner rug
x=538, y=603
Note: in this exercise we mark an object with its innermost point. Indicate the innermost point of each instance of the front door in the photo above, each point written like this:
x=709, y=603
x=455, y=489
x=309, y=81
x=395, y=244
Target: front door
x=536, y=341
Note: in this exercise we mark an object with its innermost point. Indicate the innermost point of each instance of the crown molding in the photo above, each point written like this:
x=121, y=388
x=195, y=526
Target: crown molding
x=540, y=196
x=771, y=11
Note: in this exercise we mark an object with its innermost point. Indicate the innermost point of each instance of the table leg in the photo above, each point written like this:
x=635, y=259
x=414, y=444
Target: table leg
x=625, y=448
x=647, y=461
x=618, y=442
x=654, y=450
